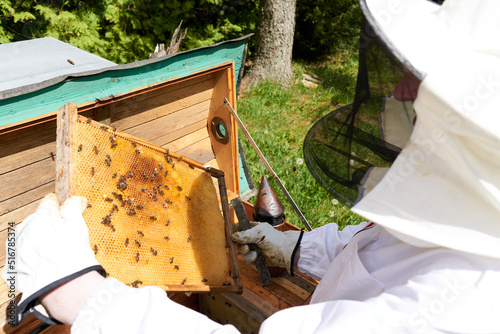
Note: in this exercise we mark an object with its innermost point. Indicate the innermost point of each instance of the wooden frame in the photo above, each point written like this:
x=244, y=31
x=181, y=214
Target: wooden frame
x=66, y=185
x=182, y=83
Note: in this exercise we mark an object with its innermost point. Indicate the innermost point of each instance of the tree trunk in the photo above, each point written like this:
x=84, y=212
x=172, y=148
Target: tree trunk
x=273, y=58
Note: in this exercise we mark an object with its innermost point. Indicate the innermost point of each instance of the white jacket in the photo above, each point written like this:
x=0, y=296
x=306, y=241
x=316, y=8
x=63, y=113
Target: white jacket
x=371, y=282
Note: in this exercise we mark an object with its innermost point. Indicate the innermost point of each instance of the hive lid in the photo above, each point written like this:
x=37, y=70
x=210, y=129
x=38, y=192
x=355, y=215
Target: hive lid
x=154, y=216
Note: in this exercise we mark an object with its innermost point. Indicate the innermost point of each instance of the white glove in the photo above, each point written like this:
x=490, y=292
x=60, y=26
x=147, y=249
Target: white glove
x=277, y=247
x=52, y=248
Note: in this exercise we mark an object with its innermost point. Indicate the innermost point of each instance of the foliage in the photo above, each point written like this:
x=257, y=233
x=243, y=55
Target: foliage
x=278, y=120
x=128, y=30
x=325, y=26
x=125, y=30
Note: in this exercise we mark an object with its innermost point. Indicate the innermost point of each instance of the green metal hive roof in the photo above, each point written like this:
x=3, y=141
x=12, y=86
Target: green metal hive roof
x=21, y=103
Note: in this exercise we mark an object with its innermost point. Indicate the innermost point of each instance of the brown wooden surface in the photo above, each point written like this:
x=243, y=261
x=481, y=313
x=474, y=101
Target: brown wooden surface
x=65, y=158
x=59, y=329
x=226, y=154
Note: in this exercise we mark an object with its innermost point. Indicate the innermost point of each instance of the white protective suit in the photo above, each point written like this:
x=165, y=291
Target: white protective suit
x=371, y=282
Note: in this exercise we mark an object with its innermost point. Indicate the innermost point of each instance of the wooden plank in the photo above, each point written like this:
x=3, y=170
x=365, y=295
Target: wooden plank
x=27, y=178
x=59, y=329
x=154, y=129
x=233, y=309
x=17, y=216
x=274, y=292
x=189, y=139
x=119, y=82
x=28, y=325
x=261, y=303
x=24, y=157
x=167, y=138
x=293, y=288
x=200, y=151
x=5, y=308
x=303, y=281
x=28, y=130
x=263, y=293
x=148, y=99
x=66, y=159
x=126, y=114
x=26, y=198
x=213, y=163
x=226, y=153
x=3, y=240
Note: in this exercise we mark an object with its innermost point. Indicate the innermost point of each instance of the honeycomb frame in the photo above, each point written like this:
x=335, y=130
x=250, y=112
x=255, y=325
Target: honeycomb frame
x=154, y=217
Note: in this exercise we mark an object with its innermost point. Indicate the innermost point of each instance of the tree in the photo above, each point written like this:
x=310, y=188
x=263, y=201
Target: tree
x=125, y=30
x=273, y=56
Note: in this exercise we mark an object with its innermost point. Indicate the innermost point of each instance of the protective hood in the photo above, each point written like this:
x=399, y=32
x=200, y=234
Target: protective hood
x=444, y=186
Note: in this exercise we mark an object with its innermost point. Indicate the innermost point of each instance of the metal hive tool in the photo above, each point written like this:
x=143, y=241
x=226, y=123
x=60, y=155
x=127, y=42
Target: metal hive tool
x=153, y=215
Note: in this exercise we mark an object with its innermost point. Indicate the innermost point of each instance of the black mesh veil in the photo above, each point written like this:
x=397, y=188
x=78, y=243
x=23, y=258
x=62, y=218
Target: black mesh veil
x=348, y=144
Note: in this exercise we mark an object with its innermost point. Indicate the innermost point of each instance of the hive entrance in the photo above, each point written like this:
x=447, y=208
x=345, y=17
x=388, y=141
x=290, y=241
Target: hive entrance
x=153, y=215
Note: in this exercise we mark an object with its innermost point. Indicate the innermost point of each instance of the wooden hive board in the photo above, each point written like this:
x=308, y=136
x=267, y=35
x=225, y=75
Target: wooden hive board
x=173, y=112
x=153, y=215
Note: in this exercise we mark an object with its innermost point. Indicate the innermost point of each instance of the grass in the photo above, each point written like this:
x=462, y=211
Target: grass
x=279, y=118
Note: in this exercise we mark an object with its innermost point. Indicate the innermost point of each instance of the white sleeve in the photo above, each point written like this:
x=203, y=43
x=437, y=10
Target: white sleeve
x=319, y=247
x=117, y=308
x=440, y=301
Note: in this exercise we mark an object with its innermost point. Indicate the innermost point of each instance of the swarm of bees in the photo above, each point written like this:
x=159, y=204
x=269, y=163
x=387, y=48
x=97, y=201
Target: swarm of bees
x=146, y=178
x=134, y=191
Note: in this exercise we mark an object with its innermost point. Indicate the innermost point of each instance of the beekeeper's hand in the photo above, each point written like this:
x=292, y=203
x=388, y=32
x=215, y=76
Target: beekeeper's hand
x=276, y=246
x=51, y=248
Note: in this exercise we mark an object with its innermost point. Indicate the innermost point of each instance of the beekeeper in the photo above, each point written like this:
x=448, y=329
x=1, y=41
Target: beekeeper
x=429, y=263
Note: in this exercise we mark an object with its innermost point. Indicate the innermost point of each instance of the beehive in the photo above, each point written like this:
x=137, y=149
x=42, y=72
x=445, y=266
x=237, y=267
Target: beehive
x=175, y=102
x=153, y=215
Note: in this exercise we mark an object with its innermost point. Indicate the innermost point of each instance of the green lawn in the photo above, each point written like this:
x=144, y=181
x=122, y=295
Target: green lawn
x=278, y=119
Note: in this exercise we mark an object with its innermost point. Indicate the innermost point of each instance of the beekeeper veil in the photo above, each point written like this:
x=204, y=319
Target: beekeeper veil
x=425, y=167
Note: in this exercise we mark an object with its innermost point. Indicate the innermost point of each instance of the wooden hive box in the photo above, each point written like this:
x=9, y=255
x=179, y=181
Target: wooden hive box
x=175, y=102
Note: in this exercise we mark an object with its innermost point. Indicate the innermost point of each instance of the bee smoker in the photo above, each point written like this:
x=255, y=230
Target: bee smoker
x=268, y=207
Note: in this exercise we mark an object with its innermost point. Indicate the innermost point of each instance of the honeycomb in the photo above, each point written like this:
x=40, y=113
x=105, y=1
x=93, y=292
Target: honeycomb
x=153, y=218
